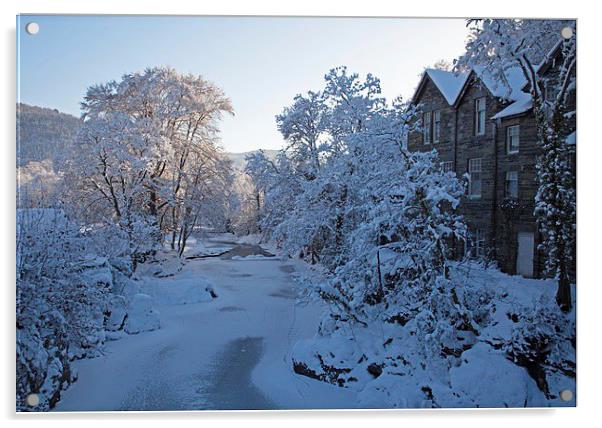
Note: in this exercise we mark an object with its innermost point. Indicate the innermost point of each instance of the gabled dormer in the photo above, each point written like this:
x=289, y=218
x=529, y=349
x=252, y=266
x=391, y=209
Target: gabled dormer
x=435, y=95
x=448, y=83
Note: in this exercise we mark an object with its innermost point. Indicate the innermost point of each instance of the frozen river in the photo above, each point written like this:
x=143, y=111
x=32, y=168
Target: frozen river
x=232, y=352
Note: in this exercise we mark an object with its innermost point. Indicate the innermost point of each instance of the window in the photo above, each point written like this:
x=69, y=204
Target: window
x=474, y=173
x=479, y=116
x=447, y=166
x=478, y=243
x=426, y=127
x=550, y=91
x=511, y=185
x=437, y=126
x=512, y=138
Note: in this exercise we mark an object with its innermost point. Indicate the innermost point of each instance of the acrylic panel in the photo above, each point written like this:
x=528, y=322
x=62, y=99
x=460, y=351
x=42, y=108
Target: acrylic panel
x=267, y=213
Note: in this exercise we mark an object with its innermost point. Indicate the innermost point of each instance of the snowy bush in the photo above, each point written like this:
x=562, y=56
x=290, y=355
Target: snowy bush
x=61, y=296
x=67, y=298
x=486, y=378
x=543, y=341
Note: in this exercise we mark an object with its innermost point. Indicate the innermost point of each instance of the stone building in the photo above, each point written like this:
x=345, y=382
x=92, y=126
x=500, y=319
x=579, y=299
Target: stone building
x=485, y=130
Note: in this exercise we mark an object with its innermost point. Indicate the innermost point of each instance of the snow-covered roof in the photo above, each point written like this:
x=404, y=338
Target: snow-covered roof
x=521, y=100
x=549, y=58
x=522, y=104
x=449, y=83
x=510, y=89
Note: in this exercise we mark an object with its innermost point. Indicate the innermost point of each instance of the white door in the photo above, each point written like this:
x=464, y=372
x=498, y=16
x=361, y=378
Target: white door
x=524, y=258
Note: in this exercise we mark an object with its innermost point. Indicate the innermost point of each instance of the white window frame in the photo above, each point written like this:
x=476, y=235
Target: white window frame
x=475, y=166
x=511, y=179
x=512, y=139
x=447, y=166
x=480, y=113
x=437, y=126
x=427, y=120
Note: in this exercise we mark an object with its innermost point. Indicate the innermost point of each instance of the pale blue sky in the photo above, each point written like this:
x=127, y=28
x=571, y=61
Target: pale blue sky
x=260, y=63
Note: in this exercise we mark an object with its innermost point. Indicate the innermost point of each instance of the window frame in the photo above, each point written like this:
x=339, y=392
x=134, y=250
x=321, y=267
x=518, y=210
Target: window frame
x=478, y=243
x=509, y=149
x=427, y=134
x=548, y=84
x=471, y=172
x=507, y=181
x=436, y=119
x=447, y=166
x=480, y=112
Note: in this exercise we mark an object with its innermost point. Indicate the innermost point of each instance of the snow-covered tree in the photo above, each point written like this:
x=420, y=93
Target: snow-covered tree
x=502, y=44
x=377, y=217
x=316, y=164
x=278, y=184
x=443, y=64
x=302, y=126
x=147, y=156
x=380, y=220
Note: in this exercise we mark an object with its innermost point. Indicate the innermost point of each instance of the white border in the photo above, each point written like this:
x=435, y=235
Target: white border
x=589, y=202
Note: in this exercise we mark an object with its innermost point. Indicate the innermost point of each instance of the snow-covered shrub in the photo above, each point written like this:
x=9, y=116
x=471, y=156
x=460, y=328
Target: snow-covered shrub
x=67, y=298
x=543, y=341
x=42, y=361
x=61, y=297
x=116, y=313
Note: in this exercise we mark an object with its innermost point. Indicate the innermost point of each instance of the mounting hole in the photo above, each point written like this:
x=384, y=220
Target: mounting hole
x=566, y=395
x=32, y=28
x=32, y=400
x=566, y=32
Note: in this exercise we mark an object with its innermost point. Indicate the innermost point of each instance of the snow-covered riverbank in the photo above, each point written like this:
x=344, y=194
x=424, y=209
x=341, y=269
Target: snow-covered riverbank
x=232, y=347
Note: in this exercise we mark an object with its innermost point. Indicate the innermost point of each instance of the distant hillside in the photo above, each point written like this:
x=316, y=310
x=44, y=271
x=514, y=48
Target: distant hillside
x=44, y=133
x=238, y=159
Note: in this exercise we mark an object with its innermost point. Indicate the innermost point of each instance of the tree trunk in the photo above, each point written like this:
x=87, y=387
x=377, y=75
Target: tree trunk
x=563, y=294
x=258, y=201
x=152, y=204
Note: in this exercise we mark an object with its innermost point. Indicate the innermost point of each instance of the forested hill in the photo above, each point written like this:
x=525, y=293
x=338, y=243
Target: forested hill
x=44, y=133
x=239, y=159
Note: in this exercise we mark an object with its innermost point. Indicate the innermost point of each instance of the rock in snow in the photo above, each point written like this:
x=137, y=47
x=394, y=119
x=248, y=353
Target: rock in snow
x=118, y=311
x=485, y=378
x=141, y=315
